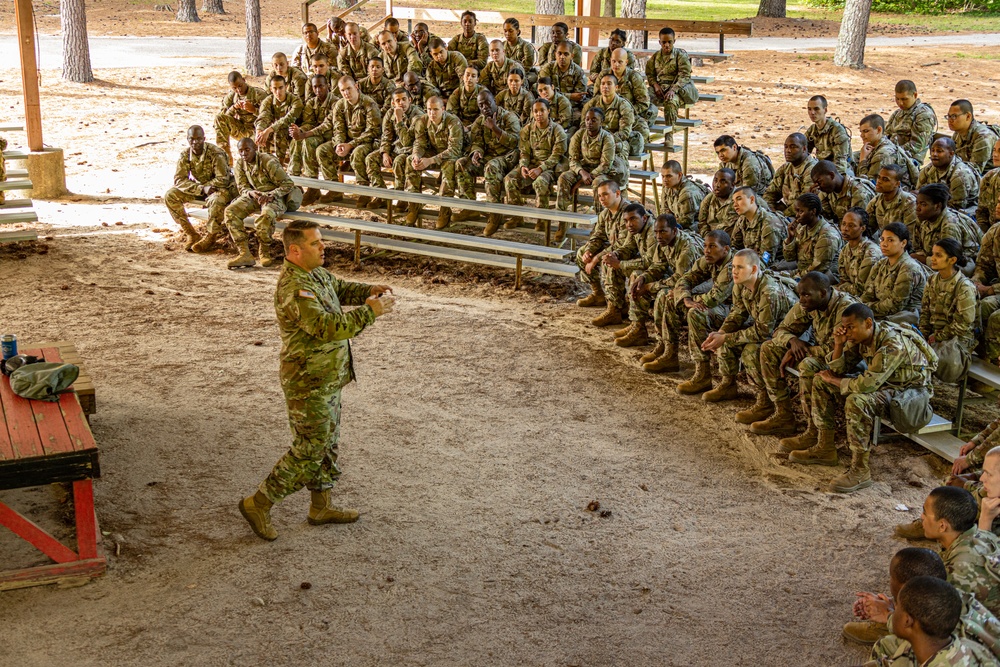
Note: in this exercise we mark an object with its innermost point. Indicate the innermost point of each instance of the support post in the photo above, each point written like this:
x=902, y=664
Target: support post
x=589, y=36
x=357, y=247
x=722, y=42
x=517, y=274
x=960, y=407
x=29, y=73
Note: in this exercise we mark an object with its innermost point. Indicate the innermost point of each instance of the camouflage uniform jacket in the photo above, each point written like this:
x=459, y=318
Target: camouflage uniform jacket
x=315, y=112
x=254, y=95
x=989, y=199
x=984, y=441
x=279, y=115
x=979, y=624
x=610, y=232
x=619, y=118
x=815, y=249
x=405, y=60
x=650, y=260
x=949, y=223
x=561, y=110
x=972, y=565
x=476, y=49
x=521, y=51
x=485, y=141
x=573, y=80
x=948, y=309
x=210, y=169
x=340, y=40
x=672, y=69
x=520, y=106
x=960, y=652
x=903, y=208
x=832, y=143
x=303, y=54
x=912, y=129
x=961, y=179
x=447, y=77
x=798, y=320
x=398, y=137
x=543, y=147
x=381, y=92
x=602, y=63
x=315, y=352
x=332, y=77
x=721, y=275
x=756, y=312
x=440, y=142
x=296, y=79
x=988, y=262
x=354, y=62
x=894, y=288
x=632, y=87
x=361, y=122
x=856, y=192
x=895, y=360
x=716, y=213
x=427, y=91
x=465, y=104
x=788, y=183
x=762, y=233
x=885, y=152
x=263, y=175
x=976, y=147
x=547, y=53
x=750, y=170
x=684, y=202
x=680, y=257
x=494, y=75
x=595, y=154
x=855, y=266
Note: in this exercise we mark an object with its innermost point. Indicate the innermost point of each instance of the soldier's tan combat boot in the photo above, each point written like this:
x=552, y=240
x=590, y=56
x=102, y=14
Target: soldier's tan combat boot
x=636, y=336
x=823, y=453
x=413, y=213
x=625, y=330
x=464, y=215
x=539, y=225
x=726, y=390
x=759, y=411
x=799, y=442
x=700, y=382
x=592, y=300
x=330, y=197
x=444, y=218
x=192, y=236
x=560, y=234
x=362, y=202
x=206, y=243
x=666, y=362
x=913, y=530
x=321, y=511
x=781, y=421
x=858, y=477
x=649, y=356
x=256, y=509
x=244, y=259
x=377, y=203
x=512, y=222
x=266, y=256
x=492, y=224
x=310, y=197
x=611, y=315
x=865, y=632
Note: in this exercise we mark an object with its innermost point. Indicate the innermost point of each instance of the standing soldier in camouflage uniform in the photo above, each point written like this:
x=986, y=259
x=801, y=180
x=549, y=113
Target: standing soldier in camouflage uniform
x=602, y=61
x=792, y=178
x=446, y=68
x=669, y=75
x=420, y=91
x=464, y=102
x=812, y=243
x=988, y=211
x=716, y=211
x=357, y=123
x=592, y=161
x=239, y=111
x=948, y=309
x=294, y=77
x=974, y=141
x=879, y=151
x=761, y=299
x=438, y=142
x=305, y=137
x=751, y=168
x=892, y=203
x=264, y=187
x=395, y=145
x=377, y=86
x=858, y=255
x=937, y=221
x=682, y=196
x=354, y=57
x=542, y=150
x=517, y=48
x=648, y=267
x=311, y=45
x=912, y=125
x=949, y=169
x=758, y=228
x=632, y=87
x=560, y=108
x=896, y=283
x=547, y=52
x=839, y=193
x=471, y=44
x=202, y=174
x=398, y=57
x=567, y=78
x=494, y=76
x=492, y=152
x=619, y=118
x=828, y=139
x=516, y=98
x=315, y=365
x=987, y=282
x=277, y=113
x=609, y=236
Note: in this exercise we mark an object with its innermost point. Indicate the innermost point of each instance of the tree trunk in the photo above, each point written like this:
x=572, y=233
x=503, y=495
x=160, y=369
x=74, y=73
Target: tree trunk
x=213, y=7
x=635, y=9
x=543, y=33
x=255, y=63
x=853, y=29
x=187, y=12
x=609, y=8
x=76, y=48
x=774, y=9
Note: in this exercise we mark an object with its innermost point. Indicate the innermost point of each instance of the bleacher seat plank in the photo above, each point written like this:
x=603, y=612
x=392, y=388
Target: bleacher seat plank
x=15, y=203
x=15, y=155
x=19, y=235
x=11, y=128
x=17, y=173
x=942, y=443
x=19, y=216
x=6, y=186
x=985, y=372
x=709, y=97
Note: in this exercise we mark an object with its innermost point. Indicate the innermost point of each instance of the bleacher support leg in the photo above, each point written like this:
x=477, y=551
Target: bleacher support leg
x=517, y=271
x=548, y=237
x=687, y=115
x=960, y=407
x=388, y=212
x=357, y=248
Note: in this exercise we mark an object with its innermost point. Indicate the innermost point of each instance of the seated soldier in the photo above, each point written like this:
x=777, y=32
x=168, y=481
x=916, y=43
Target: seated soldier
x=912, y=125
x=420, y=40
x=989, y=508
x=682, y=196
x=492, y=152
x=988, y=211
x=938, y=221
x=420, y=91
x=632, y=87
x=892, y=202
x=879, y=151
x=602, y=61
x=516, y=98
x=819, y=309
x=494, y=75
x=858, y=254
x=438, y=142
x=391, y=25
x=716, y=211
x=202, y=174
x=606, y=278
x=948, y=308
x=828, y=139
x=974, y=141
x=516, y=47
x=838, y=192
x=464, y=102
x=752, y=168
x=542, y=151
x=446, y=68
x=761, y=299
x=357, y=123
x=949, y=169
x=759, y=228
x=619, y=118
x=567, y=78
x=668, y=72
x=377, y=85
x=395, y=144
x=986, y=279
x=898, y=360
x=792, y=178
x=592, y=160
x=264, y=188
x=353, y=58
x=306, y=138
x=896, y=284
x=811, y=243
x=547, y=52
x=311, y=45
x=277, y=113
x=239, y=112
x=469, y=43
x=336, y=29
x=560, y=108
x=295, y=78
x=647, y=262
x=398, y=57
x=320, y=66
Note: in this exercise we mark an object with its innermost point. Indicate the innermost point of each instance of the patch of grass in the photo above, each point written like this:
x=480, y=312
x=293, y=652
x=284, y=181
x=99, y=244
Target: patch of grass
x=977, y=56
x=821, y=56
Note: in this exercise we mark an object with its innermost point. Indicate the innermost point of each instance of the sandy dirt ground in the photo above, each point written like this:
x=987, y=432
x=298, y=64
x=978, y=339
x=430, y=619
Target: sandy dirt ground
x=483, y=425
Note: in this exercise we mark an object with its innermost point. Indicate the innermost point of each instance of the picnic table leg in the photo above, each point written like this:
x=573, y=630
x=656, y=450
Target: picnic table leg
x=35, y=536
x=86, y=519
x=357, y=248
x=517, y=271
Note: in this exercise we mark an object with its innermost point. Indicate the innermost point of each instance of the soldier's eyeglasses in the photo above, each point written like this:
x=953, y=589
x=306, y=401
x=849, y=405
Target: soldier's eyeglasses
x=954, y=116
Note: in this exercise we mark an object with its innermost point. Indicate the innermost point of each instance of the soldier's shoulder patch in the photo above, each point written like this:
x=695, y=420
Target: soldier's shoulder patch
x=306, y=294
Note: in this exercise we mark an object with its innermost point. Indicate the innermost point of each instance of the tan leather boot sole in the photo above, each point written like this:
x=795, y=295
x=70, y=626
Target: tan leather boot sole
x=259, y=520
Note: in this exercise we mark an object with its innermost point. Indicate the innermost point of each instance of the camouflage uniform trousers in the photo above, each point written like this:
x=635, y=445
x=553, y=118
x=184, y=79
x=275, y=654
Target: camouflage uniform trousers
x=700, y=323
x=278, y=145
x=604, y=279
x=446, y=187
x=777, y=387
x=860, y=412
x=568, y=180
x=373, y=167
x=330, y=162
x=640, y=309
x=730, y=356
x=227, y=127
x=686, y=94
x=244, y=206
x=311, y=461
x=513, y=183
x=303, y=160
x=216, y=205
x=636, y=142
x=493, y=173
x=989, y=312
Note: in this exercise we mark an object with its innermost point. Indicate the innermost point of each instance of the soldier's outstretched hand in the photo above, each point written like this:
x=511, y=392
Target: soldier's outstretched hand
x=379, y=290
x=381, y=304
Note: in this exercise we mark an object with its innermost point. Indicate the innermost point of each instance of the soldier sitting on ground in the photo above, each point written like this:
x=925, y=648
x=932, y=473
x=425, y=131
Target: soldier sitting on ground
x=838, y=192
x=912, y=125
x=879, y=151
x=752, y=169
x=716, y=211
x=949, y=169
x=239, y=112
x=202, y=174
x=609, y=236
x=858, y=254
x=974, y=141
x=811, y=243
x=828, y=139
x=896, y=283
x=792, y=178
x=892, y=203
x=682, y=196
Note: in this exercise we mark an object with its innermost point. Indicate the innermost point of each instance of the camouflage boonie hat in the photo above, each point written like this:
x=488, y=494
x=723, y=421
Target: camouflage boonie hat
x=43, y=381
